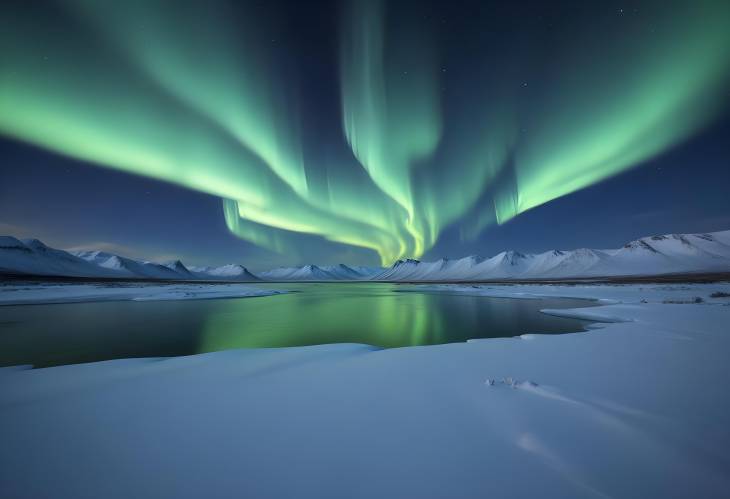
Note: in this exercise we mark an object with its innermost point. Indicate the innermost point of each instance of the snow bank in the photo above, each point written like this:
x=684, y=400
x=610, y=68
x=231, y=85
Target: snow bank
x=636, y=408
x=28, y=294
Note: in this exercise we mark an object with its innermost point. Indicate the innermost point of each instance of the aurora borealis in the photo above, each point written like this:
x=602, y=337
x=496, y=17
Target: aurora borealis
x=406, y=127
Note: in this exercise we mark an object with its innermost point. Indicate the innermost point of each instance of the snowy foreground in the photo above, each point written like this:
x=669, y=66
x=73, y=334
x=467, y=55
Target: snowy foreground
x=637, y=407
x=32, y=293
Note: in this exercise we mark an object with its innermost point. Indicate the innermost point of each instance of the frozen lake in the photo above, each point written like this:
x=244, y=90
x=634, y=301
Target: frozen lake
x=314, y=313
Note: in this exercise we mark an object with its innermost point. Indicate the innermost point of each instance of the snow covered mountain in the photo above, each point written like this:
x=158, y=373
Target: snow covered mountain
x=180, y=268
x=305, y=273
x=654, y=255
x=340, y=272
x=126, y=267
x=30, y=256
x=344, y=272
x=366, y=272
x=232, y=272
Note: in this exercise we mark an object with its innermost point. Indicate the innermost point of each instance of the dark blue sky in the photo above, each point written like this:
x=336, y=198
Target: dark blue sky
x=485, y=51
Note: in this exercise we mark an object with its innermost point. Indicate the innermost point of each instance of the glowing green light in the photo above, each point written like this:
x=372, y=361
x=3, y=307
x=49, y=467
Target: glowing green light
x=182, y=93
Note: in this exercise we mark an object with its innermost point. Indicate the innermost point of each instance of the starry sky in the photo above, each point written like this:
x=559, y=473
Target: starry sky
x=282, y=133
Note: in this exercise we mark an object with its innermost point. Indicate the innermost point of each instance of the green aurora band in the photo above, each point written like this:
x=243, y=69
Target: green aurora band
x=175, y=91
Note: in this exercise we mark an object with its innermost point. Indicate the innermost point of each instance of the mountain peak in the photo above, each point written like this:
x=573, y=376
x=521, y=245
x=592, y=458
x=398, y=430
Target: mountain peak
x=513, y=257
x=407, y=261
x=11, y=242
x=35, y=244
x=640, y=244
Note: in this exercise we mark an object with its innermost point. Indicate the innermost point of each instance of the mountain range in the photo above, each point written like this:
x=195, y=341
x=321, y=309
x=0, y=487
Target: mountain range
x=648, y=256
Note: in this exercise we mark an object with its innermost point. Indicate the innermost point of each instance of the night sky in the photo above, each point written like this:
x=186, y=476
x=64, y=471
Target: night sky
x=276, y=133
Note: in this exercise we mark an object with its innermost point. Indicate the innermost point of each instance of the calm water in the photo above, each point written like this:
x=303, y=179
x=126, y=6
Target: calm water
x=372, y=313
